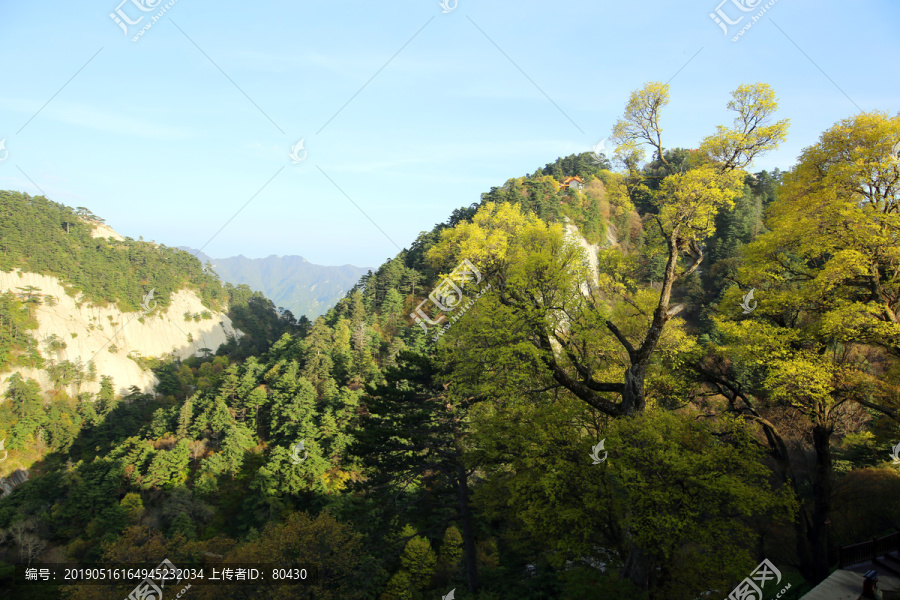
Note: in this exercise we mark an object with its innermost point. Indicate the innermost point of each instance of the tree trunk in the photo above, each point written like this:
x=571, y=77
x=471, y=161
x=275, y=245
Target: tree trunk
x=804, y=553
x=468, y=532
x=633, y=396
x=812, y=533
x=802, y=520
x=822, y=489
x=637, y=566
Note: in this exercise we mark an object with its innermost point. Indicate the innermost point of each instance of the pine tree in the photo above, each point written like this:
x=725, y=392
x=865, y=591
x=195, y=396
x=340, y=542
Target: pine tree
x=183, y=525
x=26, y=411
x=107, y=397
x=450, y=556
x=184, y=418
x=411, y=444
x=169, y=467
x=417, y=564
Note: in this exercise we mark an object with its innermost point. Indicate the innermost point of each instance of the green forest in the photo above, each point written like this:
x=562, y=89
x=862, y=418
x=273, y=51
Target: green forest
x=494, y=412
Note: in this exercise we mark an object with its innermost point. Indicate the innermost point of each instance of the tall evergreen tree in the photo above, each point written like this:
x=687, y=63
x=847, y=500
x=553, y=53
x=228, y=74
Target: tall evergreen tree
x=412, y=443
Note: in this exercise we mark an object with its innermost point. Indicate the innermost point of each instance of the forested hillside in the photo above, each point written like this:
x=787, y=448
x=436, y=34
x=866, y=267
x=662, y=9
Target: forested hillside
x=485, y=414
x=41, y=236
x=44, y=237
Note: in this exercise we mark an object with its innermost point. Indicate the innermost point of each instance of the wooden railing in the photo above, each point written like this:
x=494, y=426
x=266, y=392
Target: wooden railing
x=867, y=551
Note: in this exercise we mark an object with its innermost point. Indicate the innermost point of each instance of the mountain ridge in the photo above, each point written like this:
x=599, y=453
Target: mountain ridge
x=290, y=281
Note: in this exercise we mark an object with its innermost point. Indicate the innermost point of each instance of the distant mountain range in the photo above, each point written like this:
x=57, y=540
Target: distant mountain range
x=291, y=282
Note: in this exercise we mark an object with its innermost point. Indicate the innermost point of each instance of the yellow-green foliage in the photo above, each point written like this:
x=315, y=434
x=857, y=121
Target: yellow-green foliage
x=826, y=275
x=687, y=498
x=753, y=130
x=417, y=564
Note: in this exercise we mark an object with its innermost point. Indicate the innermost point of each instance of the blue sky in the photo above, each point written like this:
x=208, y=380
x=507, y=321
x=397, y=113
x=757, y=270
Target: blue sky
x=406, y=112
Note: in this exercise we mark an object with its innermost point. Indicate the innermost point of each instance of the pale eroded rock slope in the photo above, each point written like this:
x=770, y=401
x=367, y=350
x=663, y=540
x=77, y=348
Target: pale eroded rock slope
x=159, y=334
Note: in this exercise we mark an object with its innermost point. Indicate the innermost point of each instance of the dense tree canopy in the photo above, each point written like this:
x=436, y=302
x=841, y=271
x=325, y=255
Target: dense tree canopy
x=555, y=393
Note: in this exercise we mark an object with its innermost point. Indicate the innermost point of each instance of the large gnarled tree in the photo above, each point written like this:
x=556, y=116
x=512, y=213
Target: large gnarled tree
x=543, y=323
x=825, y=337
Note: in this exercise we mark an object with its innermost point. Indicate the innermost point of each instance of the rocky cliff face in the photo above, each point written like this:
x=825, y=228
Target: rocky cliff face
x=16, y=478
x=590, y=250
x=102, y=230
x=107, y=336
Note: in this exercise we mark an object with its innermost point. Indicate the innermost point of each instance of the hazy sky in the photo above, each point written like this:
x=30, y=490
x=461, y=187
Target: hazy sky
x=406, y=112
